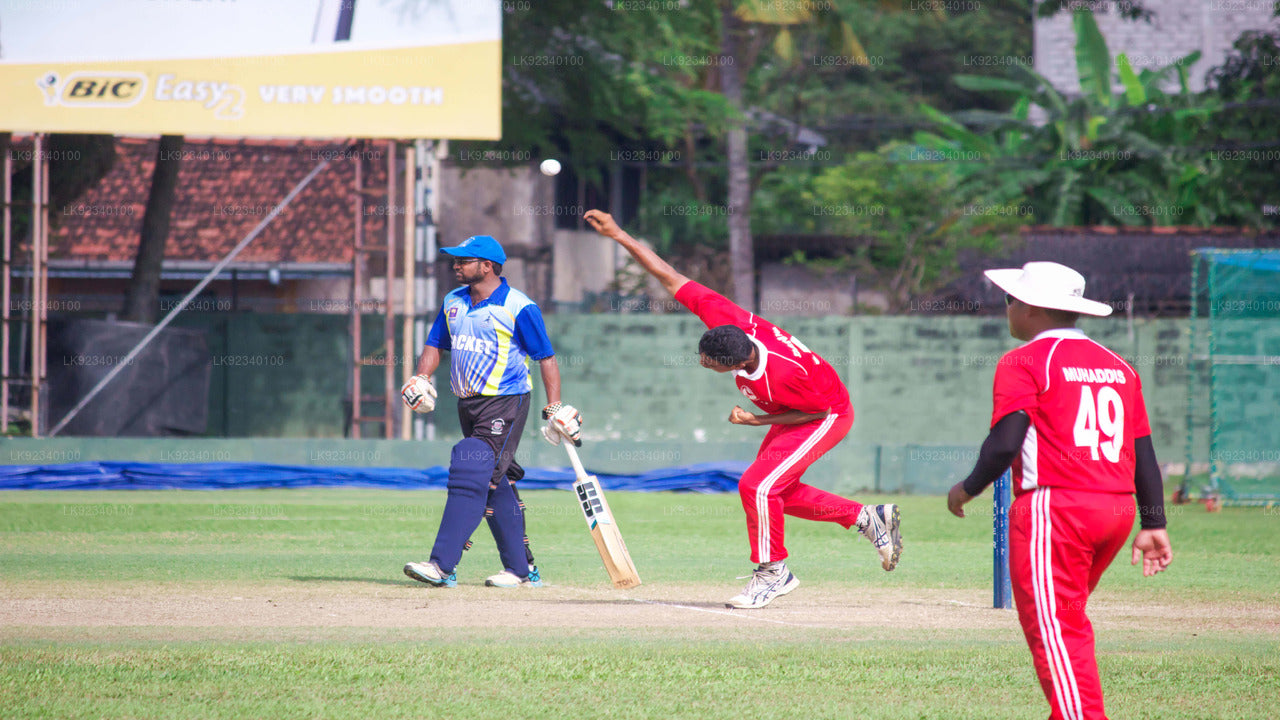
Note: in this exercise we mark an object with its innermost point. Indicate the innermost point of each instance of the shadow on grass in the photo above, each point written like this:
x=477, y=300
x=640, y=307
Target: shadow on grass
x=338, y=578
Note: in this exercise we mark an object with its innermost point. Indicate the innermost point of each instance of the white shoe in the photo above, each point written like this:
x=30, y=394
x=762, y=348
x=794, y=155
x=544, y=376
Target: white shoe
x=879, y=524
x=431, y=574
x=508, y=579
x=770, y=580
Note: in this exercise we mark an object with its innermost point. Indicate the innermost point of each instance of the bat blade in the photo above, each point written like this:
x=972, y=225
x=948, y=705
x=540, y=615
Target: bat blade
x=605, y=533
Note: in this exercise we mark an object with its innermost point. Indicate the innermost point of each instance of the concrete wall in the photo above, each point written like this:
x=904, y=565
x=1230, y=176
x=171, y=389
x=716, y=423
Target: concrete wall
x=637, y=379
x=801, y=290
x=921, y=389
x=583, y=262
x=912, y=380
x=516, y=206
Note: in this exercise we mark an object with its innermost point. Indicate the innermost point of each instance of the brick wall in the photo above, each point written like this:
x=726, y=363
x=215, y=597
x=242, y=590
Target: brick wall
x=1179, y=28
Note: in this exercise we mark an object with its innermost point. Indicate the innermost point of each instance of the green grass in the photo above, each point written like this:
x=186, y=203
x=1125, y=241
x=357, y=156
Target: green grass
x=269, y=536
x=352, y=542
x=604, y=679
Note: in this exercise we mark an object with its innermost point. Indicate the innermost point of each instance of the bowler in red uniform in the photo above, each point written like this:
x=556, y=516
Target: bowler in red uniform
x=1070, y=420
x=807, y=410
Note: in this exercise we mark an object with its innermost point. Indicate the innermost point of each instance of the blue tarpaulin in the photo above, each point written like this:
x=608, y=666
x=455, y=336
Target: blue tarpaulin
x=703, y=477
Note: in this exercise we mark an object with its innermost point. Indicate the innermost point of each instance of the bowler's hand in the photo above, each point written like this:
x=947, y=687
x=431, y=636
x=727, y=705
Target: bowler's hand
x=602, y=222
x=956, y=499
x=738, y=416
x=1154, y=549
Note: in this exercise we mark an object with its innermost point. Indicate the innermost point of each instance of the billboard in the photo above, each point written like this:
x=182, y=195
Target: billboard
x=279, y=68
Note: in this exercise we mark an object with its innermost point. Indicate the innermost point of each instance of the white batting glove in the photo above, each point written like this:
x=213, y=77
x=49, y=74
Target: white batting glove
x=419, y=394
x=563, y=420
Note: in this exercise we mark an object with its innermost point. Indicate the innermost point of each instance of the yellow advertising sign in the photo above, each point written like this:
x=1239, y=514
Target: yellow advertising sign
x=282, y=83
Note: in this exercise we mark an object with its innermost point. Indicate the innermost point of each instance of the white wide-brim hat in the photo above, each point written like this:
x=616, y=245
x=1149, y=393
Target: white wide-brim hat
x=1048, y=285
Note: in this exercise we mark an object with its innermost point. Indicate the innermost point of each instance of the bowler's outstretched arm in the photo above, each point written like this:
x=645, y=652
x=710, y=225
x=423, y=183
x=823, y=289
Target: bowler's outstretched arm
x=604, y=224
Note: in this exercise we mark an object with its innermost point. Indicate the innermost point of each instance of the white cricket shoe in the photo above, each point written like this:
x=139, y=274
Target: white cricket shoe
x=431, y=574
x=879, y=524
x=769, y=581
x=508, y=579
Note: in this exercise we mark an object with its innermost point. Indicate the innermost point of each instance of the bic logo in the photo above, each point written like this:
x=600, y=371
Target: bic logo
x=93, y=89
x=589, y=496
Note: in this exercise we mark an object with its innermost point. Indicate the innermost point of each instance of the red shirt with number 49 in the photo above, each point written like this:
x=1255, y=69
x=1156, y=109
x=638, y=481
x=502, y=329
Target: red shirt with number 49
x=1086, y=410
x=790, y=376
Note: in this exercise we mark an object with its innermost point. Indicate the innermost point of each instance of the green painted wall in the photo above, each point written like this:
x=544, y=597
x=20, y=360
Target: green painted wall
x=920, y=386
x=913, y=380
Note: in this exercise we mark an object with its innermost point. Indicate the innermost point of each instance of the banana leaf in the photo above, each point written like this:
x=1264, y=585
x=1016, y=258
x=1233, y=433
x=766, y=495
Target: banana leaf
x=1093, y=59
x=1113, y=204
x=1134, y=92
x=983, y=83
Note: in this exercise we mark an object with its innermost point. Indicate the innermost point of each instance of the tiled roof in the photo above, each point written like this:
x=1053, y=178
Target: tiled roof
x=225, y=188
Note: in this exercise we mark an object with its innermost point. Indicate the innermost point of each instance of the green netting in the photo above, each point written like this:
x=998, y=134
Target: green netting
x=1234, y=385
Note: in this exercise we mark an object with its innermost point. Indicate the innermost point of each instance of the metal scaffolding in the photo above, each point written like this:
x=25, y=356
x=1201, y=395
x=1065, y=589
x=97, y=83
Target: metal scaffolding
x=32, y=367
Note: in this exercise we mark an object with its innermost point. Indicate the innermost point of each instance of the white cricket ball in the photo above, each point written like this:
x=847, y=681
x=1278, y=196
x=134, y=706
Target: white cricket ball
x=550, y=167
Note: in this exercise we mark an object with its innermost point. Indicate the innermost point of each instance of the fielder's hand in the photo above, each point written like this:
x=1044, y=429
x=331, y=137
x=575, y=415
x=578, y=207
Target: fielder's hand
x=1154, y=549
x=563, y=421
x=738, y=416
x=419, y=394
x=957, y=498
x=602, y=222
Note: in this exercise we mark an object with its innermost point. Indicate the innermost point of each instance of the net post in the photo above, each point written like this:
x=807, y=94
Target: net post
x=1002, y=585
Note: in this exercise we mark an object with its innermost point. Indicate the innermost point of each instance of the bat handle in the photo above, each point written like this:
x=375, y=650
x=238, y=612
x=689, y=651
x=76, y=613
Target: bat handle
x=573, y=458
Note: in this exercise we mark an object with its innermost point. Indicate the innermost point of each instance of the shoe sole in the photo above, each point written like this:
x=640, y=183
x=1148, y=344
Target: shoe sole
x=424, y=579
x=795, y=583
x=895, y=537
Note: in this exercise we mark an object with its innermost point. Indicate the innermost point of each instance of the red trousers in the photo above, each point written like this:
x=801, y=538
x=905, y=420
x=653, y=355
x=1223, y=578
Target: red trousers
x=771, y=487
x=1060, y=542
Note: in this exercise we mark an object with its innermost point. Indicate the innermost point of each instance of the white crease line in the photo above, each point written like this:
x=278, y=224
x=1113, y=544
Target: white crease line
x=740, y=616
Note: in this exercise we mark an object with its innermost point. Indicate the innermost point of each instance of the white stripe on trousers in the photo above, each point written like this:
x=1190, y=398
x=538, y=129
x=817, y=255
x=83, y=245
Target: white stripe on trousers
x=1055, y=650
x=762, y=492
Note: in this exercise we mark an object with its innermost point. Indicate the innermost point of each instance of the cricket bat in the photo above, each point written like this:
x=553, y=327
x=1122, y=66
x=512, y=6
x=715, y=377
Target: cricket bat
x=613, y=551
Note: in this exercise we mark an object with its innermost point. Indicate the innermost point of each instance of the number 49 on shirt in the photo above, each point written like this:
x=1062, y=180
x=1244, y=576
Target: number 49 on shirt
x=1100, y=424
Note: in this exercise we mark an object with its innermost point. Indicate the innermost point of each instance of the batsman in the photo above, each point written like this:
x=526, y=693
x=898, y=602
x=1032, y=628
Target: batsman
x=490, y=329
x=806, y=408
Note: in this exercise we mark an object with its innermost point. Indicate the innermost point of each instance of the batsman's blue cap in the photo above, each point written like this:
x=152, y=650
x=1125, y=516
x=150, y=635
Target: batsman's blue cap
x=478, y=246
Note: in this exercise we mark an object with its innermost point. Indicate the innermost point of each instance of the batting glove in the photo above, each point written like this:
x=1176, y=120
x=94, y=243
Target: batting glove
x=564, y=421
x=419, y=394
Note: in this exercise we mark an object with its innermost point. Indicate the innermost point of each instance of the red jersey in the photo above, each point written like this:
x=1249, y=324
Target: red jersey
x=790, y=376
x=1086, y=410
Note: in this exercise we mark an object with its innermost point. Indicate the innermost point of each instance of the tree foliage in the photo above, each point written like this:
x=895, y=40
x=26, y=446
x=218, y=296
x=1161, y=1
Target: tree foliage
x=583, y=81
x=1101, y=157
x=1246, y=133
x=910, y=216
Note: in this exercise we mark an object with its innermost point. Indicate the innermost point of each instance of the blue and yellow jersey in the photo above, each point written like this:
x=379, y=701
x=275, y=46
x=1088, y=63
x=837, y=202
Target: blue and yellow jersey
x=490, y=341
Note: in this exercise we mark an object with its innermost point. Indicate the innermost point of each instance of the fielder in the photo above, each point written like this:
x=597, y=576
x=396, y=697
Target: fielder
x=490, y=329
x=806, y=407
x=1070, y=419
